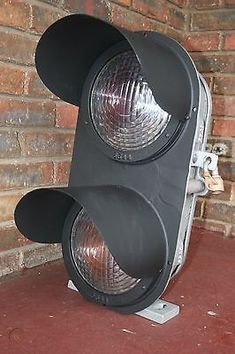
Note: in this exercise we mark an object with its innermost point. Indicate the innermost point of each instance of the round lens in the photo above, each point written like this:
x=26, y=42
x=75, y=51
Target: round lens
x=94, y=261
x=124, y=111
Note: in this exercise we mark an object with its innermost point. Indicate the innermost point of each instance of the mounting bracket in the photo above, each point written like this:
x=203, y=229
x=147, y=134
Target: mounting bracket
x=160, y=311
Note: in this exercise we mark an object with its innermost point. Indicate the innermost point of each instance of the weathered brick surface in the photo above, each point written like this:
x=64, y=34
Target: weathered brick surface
x=222, y=63
x=180, y=3
x=229, y=42
x=9, y=144
x=220, y=212
x=229, y=3
x=214, y=20
x=34, y=87
x=66, y=115
x=227, y=170
x=217, y=227
x=61, y=172
x=223, y=105
x=224, y=85
x=25, y=113
x=123, y=2
x=42, y=144
x=10, y=237
x=199, y=42
x=156, y=9
x=224, y=127
x=204, y=4
x=133, y=21
x=17, y=48
x=43, y=17
x=15, y=13
x=24, y=175
x=177, y=18
x=53, y=2
x=92, y=7
x=12, y=79
x=7, y=205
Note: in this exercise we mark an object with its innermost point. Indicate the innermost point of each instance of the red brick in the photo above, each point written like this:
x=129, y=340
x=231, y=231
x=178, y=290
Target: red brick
x=9, y=145
x=199, y=208
x=219, y=211
x=133, y=21
x=12, y=79
x=24, y=175
x=61, y=172
x=229, y=42
x=15, y=13
x=20, y=113
x=53, y=2
x=17, y=48
x=180, y=3
x=10, y=237
x=92, y=7
x=174, y=33
x=210, y=63
x=66, y=115
x=229, y=3
x=7, y=206
x=41, y=114
x=33, y=86
x=46, y=143
x=201, y=42
x=223, y=127
x=227, y=170
x=224, y=85
x=156, y=9
x=211, y=226
x=221, y=20
x=204, y=4
x=43, y=17
x=223, y=105
x=123, y=2
x=177, y=18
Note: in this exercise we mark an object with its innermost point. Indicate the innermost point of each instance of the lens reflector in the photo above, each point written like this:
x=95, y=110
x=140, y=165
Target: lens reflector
x=124, y=111
x=94, y=261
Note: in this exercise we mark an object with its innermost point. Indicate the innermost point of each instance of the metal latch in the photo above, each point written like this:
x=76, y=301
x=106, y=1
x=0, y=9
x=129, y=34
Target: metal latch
x=208, y=163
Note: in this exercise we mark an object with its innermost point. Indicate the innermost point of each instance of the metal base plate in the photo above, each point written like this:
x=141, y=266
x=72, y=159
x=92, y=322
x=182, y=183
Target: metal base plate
x=160, y=311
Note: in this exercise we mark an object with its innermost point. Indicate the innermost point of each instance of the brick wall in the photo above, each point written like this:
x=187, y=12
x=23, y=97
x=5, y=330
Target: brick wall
x=37, y=130
x=210, y=37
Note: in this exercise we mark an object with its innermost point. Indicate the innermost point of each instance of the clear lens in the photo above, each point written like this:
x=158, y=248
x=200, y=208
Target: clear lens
x=94, y=261
x=124, y=111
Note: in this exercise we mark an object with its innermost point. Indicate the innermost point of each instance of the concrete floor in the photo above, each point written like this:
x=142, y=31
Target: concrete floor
x=39, y=315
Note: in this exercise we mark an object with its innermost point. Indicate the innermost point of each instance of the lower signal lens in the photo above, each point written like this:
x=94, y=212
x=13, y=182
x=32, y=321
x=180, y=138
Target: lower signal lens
x=94, y=261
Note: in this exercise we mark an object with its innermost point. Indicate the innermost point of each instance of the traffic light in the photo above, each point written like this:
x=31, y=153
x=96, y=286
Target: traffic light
x=124, y=220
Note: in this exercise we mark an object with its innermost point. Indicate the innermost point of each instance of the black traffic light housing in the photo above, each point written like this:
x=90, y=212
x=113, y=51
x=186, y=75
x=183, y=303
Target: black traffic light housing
x=137, y=199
